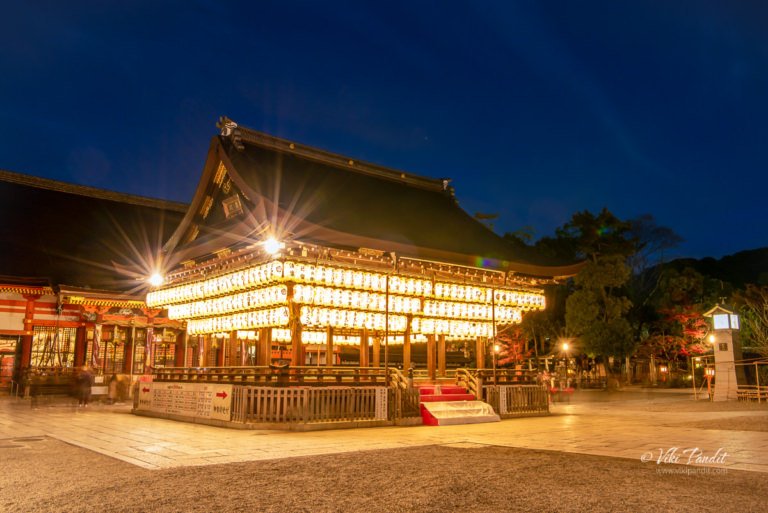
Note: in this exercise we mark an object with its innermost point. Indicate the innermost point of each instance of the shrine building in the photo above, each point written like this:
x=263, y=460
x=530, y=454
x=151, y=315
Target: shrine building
x=312, y=286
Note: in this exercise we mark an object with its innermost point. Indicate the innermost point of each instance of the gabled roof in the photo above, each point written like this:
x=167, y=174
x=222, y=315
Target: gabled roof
x=301, y=193
x=56, y=233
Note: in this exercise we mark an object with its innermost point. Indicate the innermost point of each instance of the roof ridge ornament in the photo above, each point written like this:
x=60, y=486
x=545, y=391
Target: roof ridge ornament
x=230, y=129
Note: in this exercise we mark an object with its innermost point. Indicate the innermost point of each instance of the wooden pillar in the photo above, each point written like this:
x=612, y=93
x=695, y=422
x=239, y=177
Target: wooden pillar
x=202, y=348
x=376, y=352
x=80, y=341
x=232, y=345
x=480, y=352
x=329, y=356
x=26, y=338
x=128, y=350
x=407, y=350
x=294, y=324
x=181, y=350
x=441, y=356
x=264, y=347
x=364, y=348
x=431, y=367
x=149, y=348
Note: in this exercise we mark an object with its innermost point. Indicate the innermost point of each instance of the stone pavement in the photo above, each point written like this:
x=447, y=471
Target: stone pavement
x=624, y=429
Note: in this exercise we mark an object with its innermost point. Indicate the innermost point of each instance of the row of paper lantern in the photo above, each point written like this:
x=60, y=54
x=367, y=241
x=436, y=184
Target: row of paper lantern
x=251, y=300
x=339, y=278
x=240, y=321
x=239, y=280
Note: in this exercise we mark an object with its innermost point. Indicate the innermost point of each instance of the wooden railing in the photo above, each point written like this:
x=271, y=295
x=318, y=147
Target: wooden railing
x=275, y=376
x=405, y=398
x=757, y=393
x=517, y=400
x=468, y=379
x=259, y=405
x=506, y=376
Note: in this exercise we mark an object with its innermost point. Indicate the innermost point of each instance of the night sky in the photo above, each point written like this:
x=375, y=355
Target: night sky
x=535, y=109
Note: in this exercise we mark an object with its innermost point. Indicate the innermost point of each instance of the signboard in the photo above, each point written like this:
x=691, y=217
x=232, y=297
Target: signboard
x=381, y=403
x=198, y=400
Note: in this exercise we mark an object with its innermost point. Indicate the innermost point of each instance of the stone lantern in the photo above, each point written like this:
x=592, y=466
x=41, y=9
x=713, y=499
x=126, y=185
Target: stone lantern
x=727, y=349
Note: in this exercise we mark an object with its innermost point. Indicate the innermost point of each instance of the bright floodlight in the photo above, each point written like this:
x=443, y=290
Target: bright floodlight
x=711, y=339
x=271, y=246
x=496, y=348
x=156, y=280
x=565, y=346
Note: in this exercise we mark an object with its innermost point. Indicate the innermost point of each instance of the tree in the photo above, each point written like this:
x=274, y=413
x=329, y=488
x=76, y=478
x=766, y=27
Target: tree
x=596, y=310
x=755, y=318
x=513, y=345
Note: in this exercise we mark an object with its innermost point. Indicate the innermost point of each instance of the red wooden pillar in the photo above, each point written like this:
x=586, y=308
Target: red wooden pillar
x=181, y=350
x=130, y=335
x=26, y=338
x=80, y=342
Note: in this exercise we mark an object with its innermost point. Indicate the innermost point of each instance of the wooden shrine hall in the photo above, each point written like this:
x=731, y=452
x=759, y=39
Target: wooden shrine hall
x=288, y=253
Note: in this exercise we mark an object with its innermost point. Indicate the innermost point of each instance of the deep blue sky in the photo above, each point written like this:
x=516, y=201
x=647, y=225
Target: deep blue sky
x=536, y=109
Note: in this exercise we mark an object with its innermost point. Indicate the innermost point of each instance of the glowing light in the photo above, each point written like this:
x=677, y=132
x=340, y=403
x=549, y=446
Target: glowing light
x=565, y=346
x=711, y=339
x=156, y=280
x=272, y=246
x=342, y=297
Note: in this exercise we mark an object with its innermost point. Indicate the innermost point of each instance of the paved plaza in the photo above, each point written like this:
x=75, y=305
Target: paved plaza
x=640, y=426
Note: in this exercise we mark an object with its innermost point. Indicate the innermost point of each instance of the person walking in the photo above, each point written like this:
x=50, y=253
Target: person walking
x=84, y=383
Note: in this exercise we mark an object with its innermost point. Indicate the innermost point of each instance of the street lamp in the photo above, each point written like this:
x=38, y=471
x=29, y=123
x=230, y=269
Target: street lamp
x=566, y=346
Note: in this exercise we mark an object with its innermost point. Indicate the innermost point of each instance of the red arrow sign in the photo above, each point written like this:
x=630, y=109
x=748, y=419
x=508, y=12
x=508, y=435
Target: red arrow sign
x=223, y=395
x=145, y=390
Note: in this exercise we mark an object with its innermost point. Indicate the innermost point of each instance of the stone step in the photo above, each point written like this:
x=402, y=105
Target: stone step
x=444, y=413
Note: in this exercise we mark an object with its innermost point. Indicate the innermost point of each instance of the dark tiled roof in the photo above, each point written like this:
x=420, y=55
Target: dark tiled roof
x=80, y=236
x=359, y=203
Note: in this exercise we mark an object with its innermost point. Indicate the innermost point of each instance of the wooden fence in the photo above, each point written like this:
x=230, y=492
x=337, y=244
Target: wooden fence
x=517, y=400
x=260, y=405
x=275, y=376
